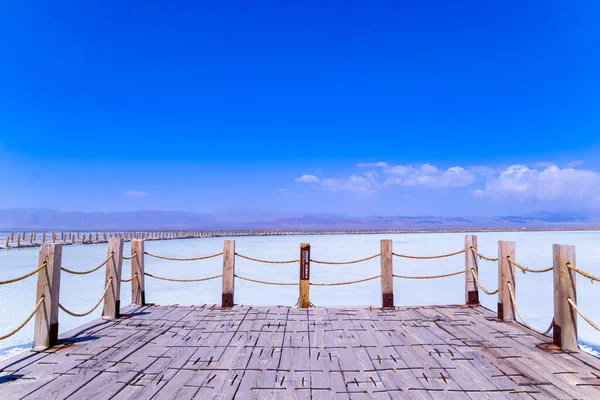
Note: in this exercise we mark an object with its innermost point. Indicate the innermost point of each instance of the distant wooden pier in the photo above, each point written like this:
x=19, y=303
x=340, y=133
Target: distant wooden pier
x=229, y=351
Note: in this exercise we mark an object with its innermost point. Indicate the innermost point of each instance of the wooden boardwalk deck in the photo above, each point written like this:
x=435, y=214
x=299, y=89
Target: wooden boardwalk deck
x=206, y=352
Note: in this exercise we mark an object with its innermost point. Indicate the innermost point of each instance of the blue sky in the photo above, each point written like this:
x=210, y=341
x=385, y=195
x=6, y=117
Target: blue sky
x=443, y=108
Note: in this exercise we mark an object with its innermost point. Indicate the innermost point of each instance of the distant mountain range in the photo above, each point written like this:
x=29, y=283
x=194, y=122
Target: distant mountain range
x=28, y=218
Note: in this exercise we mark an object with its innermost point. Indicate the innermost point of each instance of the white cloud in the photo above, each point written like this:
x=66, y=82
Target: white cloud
x=428, y=176
x=552, y=183
x=575, y=163
x=135, y=193
x=355, y=183
x=307, y=178
x=380, y=164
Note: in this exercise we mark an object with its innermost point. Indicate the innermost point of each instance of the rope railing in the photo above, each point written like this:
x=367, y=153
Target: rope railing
x=266, y=282
x=489, y=292
x=585, y=317
x=88, y=271
x=583, y=273
x=525, y=269
x=345, y=262
x=474, y=250
x=346, y=282
x=260, y=260
x=516, y=307
x=74, y=314
x=134, y=255
x=130, y=279
x=429, y=257
x=462, y=271
x=162, y=278
x=18, y=328
x=183, y=259
x=27, y=275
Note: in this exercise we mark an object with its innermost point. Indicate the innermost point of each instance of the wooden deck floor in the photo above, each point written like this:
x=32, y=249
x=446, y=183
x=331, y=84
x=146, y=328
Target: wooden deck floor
x=205, y=352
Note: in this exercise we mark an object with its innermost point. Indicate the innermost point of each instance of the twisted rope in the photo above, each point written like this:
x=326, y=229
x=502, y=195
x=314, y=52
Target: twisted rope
x=514, y=303
x=18, y=328
x=266, y=261
x=347, y=282
x=182, y=280
x=74, y=314
x=27, y=275
x=482, y=256
x=586, y=274
x=481, y=286
x=429, y=257
x=130, y=279
x=130, y=258
x=587, y=319
x=267, y=282
x=345, y=262
x=91, y=270
x=429, y=276
x=525, y=269
x=183, y=259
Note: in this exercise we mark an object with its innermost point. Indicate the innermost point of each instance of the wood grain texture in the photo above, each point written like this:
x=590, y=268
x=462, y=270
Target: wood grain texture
x=210, y=352
x=138, y=284
x=303, y=295
x=387, y=271
x=45, y=332
x=506, y=275
x=565, y=318
x=112, y=298
x=471, y=289
x=227, y=299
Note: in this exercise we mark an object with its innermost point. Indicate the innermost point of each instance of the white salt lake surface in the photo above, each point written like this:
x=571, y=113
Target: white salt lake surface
x=534, y=291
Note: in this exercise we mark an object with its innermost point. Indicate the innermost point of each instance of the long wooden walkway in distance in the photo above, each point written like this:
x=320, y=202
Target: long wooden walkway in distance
x=206, y=352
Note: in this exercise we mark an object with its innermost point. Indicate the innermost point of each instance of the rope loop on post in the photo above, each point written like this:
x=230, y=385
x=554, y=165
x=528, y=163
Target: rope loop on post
x=130, y=279
x=183, y=259
x=91, y=270
x=134, y=255
x=18, y=328
x=585, y=317
x=267, y=282
x=481, y=286
x=182, y=280
x=482, y=256
x=27, y=275
x=345, y=262
x=525, y=269
x=514, y=303
x=429, y=257
x=583, y=273
x=267, y=261
x=74, y=314
x=429, y=276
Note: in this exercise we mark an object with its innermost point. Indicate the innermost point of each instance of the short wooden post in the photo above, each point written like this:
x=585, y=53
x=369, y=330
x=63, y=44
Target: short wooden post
x=112, y=298
x=506, y=276
x=471, y=289
x=565, y=318
x=45, y=332
x=18, y=240
x=228, y=273
x=138, y=294
x=387, y=274
x=304, y=299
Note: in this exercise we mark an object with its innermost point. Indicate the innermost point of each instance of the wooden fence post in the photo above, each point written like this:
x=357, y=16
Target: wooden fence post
x=112, y=298
x=304, y=299
x=506, y=276
x=471, y=289
x=138, y=294
x=227, y=299
x=565, y=318
x=45, y=332
x=387, y=271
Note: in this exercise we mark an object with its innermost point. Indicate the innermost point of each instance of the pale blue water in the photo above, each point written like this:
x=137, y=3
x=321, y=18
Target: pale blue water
x=533, y=249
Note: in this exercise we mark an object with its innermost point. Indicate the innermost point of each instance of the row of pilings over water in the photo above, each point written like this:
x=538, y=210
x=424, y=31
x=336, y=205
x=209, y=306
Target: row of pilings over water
x=564, y=270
